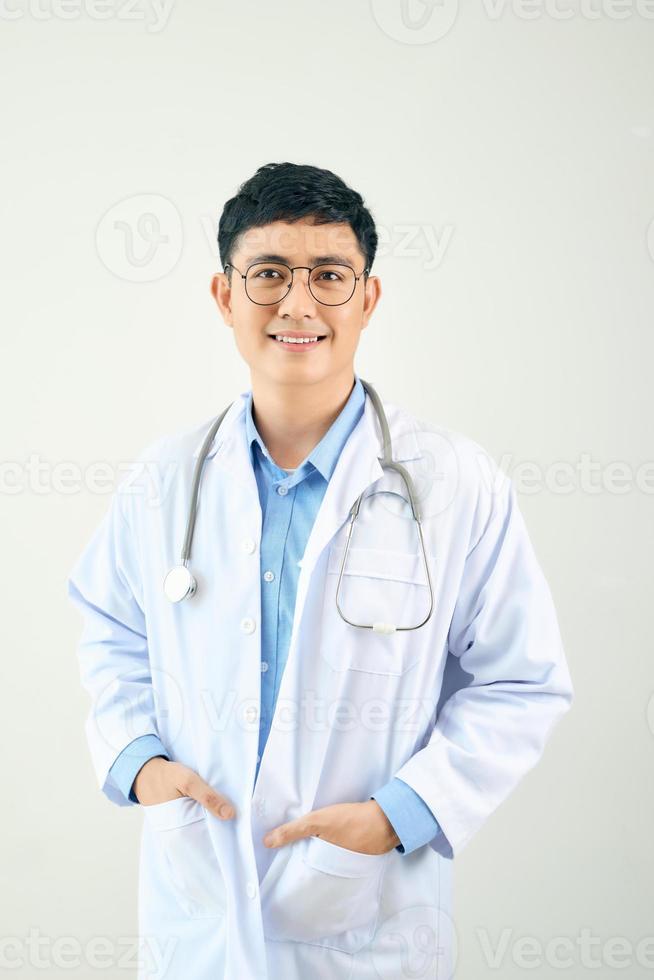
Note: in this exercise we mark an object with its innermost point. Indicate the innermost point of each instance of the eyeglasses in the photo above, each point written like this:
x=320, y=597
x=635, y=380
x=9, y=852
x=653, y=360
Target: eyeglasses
x=267, y=283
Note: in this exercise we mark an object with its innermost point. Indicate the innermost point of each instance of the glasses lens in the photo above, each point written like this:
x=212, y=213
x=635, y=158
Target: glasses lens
x=332, y=284
x=267, y=282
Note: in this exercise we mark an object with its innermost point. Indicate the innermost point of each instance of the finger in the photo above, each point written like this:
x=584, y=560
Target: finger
x=286, y=833
x=193, y=785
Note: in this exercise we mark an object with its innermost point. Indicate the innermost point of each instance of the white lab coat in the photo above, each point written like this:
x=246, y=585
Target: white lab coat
x=355, y=707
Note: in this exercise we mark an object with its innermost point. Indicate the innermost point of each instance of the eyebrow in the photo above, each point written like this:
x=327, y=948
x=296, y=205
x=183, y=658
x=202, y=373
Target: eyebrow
x=314, y=260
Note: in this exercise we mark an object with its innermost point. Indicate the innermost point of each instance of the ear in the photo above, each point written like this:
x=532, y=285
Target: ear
x=372, y=296
x=222, y=293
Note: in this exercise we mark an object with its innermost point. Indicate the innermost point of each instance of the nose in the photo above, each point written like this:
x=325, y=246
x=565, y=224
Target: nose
x=298, y=301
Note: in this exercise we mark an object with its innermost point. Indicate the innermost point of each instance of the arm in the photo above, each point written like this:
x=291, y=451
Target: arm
x=504, y=631
x=105, y=585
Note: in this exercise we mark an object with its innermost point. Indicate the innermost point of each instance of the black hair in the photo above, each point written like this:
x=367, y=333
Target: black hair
x=289, y=192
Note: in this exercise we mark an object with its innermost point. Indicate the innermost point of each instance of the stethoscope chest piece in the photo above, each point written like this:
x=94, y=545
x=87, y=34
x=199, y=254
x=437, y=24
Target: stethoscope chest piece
x=179, y=584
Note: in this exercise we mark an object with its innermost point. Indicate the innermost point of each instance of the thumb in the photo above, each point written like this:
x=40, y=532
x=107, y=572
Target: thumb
x=194, y=785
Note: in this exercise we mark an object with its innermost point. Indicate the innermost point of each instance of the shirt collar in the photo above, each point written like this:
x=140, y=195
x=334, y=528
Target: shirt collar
x=325, y=454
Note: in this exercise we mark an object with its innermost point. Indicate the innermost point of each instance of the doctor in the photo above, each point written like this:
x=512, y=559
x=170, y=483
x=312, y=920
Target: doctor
x=306, y=782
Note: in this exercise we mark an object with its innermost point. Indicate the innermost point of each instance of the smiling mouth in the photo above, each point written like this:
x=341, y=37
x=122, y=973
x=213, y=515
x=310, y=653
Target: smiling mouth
x=296, y=341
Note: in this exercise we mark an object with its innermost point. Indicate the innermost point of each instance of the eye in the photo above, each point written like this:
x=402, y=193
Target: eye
x=337, y=277
x=266, y=273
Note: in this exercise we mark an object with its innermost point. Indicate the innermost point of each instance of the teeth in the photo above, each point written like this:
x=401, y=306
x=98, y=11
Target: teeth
x=296, y=340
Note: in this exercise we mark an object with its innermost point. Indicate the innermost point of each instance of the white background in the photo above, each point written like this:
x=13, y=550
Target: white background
x=506, y=152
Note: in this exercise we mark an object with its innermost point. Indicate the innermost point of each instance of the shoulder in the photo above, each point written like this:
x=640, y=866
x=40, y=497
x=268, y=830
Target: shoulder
x=473, y=462
x=181, y=446
x=176, y=445
x=458, y=475
x=151, y=471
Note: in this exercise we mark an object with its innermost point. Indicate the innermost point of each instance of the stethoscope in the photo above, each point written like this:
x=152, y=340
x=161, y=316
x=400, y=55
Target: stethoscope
x=180, y=583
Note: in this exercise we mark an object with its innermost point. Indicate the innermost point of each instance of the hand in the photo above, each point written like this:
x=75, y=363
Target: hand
x=160, y=780
x=362, y=827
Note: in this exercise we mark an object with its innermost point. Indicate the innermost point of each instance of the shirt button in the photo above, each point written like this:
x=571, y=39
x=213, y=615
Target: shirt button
x=258, y=757
x=251, y=889
x=281, y=489
x=268, y=575
x=264, y=666
x=248, y=625
x=248, y=544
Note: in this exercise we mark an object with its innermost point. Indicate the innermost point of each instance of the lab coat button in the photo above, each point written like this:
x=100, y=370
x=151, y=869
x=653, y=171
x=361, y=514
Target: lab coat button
x=251, y=713
x=282, y=490
x=248, y=545
x=251, y=889
x=268, y=575
x=248, y=625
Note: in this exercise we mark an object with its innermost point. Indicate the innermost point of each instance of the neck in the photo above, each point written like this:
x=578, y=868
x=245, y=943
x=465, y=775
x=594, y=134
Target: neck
x=293, y=418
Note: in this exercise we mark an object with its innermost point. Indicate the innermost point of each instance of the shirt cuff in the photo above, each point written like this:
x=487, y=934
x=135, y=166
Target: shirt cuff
x=133, y=757
x=412, y=820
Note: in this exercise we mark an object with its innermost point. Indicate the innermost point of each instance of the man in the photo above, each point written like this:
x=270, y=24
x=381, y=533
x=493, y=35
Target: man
x=305, y=781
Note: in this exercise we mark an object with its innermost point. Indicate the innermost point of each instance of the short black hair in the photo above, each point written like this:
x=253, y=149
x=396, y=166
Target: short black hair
x=289, y=192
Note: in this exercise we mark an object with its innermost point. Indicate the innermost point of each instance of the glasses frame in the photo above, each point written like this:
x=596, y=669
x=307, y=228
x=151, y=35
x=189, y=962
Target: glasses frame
x=292, y=269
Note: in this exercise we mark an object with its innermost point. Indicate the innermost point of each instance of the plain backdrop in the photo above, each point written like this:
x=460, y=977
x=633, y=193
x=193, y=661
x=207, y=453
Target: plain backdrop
x=506, y=152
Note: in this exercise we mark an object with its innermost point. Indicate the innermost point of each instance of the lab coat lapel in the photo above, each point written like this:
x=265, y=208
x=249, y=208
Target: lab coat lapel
x=229, y=451
x=358, y=467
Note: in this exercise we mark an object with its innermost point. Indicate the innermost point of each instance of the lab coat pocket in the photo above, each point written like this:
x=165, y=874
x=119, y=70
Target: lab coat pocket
x=326, y=895
x=378, y=586
x=180, y=828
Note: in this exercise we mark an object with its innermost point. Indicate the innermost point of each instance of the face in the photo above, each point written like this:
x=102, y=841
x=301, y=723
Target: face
x=255, y=327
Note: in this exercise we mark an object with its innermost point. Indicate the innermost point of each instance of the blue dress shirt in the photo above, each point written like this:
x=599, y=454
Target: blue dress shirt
x=290, y=500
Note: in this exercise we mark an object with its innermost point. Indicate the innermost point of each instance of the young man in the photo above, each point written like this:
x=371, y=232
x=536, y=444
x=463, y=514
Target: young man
x=306, y=779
